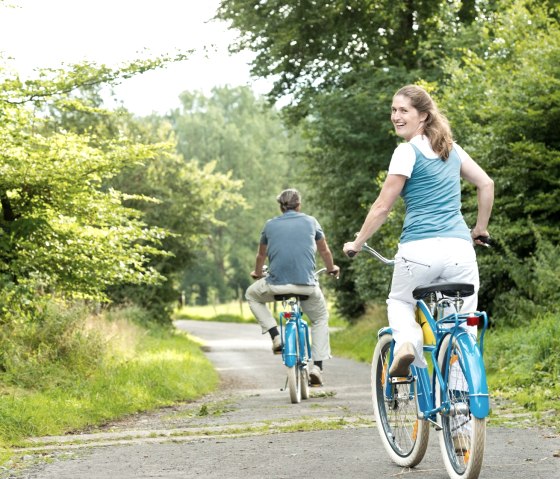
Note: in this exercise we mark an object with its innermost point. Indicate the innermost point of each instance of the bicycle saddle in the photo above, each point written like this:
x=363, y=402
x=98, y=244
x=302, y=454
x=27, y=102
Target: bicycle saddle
x=448, y=289
x=285, y=297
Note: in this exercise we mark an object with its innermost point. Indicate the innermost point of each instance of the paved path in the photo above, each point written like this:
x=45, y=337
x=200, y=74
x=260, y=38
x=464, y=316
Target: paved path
x=249, y=429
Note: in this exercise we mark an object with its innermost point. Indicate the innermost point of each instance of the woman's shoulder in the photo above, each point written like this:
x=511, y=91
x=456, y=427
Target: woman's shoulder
x=460, y=152
x=404, y=150
x=422, y=143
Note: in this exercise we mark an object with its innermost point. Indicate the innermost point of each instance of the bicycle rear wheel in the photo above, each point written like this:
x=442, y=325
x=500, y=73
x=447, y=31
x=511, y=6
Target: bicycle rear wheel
x=304, y=378
x=462, y=437
x=404, y=436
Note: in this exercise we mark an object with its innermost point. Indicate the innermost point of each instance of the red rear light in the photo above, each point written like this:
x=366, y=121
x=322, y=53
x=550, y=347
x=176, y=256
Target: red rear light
x=287, y=315
x=472, y=321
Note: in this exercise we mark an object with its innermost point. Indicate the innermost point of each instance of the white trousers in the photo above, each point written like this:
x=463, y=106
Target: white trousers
x=419, y=263
x=260, y=293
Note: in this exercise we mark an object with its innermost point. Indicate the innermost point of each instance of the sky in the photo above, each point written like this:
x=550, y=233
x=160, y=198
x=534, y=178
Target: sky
x=50, y=33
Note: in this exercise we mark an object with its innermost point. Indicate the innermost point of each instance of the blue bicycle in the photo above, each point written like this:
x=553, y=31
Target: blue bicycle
x=453, y=396
x=296, y=350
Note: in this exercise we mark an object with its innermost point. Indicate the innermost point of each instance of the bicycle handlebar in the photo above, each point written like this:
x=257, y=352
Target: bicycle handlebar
x=486, y=240
x=371, y=251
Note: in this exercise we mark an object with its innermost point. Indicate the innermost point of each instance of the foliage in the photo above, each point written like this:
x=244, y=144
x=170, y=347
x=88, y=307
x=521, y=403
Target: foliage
x=95, y=203
x=63, y=228
x=307, y=46
x=192, y=200
x=522, y=363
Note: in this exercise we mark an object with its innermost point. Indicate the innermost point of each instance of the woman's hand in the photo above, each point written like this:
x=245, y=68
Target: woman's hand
x=351, y=249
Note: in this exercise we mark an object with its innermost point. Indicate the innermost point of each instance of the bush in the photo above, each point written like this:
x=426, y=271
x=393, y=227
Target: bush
x=520, y=356
x=38, y=343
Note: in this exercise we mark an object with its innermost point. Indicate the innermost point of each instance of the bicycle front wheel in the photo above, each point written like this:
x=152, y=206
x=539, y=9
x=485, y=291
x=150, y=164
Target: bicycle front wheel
x=294, y=372
x=462, y=436
x=294, y=384
x=404, y=436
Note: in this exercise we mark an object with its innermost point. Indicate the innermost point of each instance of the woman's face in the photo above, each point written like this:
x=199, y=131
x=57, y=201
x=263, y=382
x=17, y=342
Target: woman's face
x=408, y=121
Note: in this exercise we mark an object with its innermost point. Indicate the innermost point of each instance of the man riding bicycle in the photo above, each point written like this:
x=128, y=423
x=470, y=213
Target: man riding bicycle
x=290, y=241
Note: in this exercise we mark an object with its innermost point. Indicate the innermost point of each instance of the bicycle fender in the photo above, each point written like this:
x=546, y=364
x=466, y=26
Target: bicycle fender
x=475, y=374
x=290, y=350
x=304, y=342
x=383, y=331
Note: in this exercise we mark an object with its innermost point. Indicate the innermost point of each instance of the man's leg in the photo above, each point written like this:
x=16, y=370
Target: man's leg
x=316, y=309
x=257, y=295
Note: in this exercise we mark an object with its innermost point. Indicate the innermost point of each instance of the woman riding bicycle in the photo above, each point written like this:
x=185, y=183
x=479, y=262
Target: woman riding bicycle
x=436, y=244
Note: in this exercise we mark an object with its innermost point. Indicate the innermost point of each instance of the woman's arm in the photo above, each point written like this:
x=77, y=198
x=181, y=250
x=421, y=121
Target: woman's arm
x=474, y=174
x=378, y=212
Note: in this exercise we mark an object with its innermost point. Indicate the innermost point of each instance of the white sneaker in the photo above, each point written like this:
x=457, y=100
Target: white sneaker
x=315, y=376
x=277, y=345
x=402, y=361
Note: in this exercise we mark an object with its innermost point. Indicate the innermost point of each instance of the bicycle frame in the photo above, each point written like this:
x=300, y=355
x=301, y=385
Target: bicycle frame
x=474, y=374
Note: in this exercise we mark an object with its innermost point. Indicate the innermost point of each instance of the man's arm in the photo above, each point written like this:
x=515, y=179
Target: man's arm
x=259, y=262
x=326, y=254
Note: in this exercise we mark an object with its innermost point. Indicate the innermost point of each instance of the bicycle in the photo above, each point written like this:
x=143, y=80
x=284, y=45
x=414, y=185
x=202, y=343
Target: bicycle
x=454, y=398
x=296, y=350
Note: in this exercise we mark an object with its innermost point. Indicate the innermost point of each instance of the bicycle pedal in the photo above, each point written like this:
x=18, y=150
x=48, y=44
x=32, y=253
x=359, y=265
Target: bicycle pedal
x=402, y=380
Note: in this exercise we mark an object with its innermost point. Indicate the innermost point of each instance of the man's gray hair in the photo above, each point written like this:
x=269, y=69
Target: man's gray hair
x=289, y=199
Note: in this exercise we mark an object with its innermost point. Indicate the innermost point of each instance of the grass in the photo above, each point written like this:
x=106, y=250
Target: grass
x=523, y=365
x=143, y=369
x=357, y=341
x=235, y=312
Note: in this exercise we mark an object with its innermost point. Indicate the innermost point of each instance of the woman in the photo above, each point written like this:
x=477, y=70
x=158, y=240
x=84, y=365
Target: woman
x=436, y=244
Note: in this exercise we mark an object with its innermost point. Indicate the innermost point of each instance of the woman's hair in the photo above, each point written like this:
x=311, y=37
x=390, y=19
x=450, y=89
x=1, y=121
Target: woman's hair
x=436, y=126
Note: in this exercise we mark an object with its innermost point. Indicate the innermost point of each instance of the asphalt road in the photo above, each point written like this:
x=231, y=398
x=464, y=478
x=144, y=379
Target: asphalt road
x=249, y=429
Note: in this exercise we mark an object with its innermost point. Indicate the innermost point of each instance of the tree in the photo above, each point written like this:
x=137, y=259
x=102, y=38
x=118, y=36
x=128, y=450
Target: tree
x=61, y=231
x=309, y=46
x=244, y=137
x=65, y=227
x=341, y=63
x=505, y=105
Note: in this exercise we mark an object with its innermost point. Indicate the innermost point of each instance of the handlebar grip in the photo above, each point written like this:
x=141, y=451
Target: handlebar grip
x=351, y=254
x=485, y=239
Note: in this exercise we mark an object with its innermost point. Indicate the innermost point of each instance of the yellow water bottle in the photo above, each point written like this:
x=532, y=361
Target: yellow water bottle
x=429, y=338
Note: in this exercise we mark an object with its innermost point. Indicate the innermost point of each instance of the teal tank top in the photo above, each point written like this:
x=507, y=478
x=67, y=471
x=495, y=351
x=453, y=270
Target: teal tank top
x=432, y=196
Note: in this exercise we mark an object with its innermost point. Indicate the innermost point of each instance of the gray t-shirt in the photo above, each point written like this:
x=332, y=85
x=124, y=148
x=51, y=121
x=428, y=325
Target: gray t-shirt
x=291, y=248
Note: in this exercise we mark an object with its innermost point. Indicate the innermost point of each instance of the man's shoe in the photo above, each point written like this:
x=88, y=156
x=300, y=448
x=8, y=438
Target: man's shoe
x=277, y=345
x=315, y=376
x=402, y=361
x=461, y=443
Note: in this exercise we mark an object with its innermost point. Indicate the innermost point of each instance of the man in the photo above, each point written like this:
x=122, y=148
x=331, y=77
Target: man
x=290, y=241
